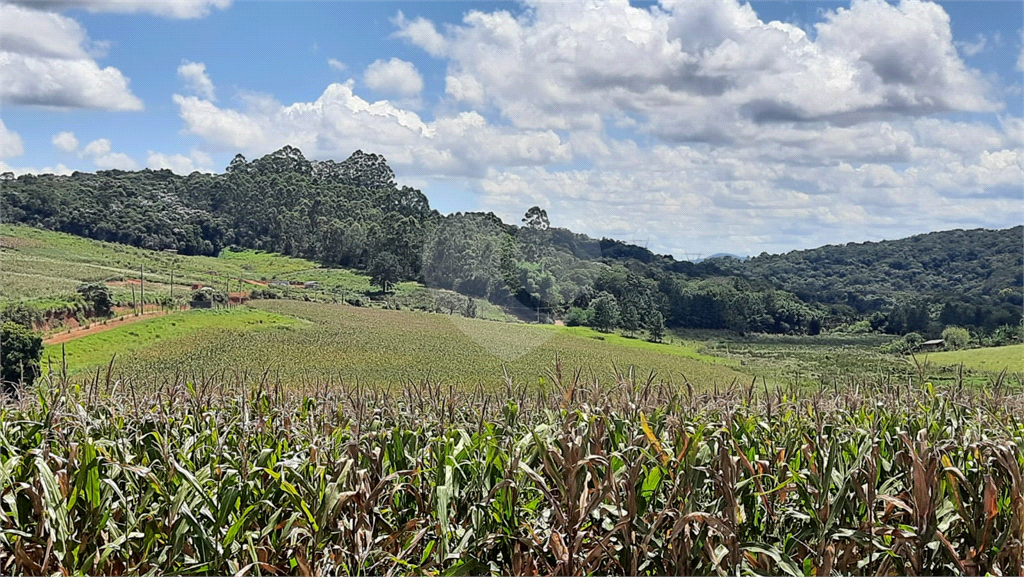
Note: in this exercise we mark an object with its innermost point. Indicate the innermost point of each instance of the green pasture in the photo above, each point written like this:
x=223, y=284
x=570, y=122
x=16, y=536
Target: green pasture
x=97, y=349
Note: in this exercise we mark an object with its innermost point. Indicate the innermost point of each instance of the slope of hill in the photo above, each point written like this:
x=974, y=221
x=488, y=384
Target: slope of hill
x=353, y=214
x=975, y=277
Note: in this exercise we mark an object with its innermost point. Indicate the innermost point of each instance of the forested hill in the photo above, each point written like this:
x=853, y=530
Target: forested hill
x=955, y=263
x=353, y=214
x=975, y=275
x=335, y=213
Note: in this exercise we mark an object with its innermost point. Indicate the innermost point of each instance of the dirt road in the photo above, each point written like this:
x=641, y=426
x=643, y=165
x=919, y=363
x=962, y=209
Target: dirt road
x=99, y=327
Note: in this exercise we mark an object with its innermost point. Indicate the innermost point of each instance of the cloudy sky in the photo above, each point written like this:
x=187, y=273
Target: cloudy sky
x=690, y=126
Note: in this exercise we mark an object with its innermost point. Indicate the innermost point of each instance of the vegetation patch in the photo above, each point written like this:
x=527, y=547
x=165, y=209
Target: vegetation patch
x=97, y=349
x=380, y=347
x=628, y=477
x=989, y=359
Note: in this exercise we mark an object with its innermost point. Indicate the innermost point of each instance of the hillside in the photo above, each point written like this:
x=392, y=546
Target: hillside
x=974, y=276
x=353, y=215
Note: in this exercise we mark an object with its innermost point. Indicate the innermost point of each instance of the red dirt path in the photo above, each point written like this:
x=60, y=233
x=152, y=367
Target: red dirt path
x=99, y=327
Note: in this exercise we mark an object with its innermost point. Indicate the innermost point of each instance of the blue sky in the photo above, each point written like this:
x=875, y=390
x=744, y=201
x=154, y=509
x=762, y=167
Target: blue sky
x=693, y=127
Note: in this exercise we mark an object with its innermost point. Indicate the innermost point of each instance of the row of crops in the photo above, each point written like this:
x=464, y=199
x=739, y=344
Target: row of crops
x=216, y=475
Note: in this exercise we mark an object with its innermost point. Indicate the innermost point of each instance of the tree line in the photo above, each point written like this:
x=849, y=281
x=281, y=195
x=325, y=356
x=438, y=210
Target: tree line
x=353, y=214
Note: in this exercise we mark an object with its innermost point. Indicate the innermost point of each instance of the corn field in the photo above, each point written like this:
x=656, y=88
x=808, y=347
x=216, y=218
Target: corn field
x=221, y=475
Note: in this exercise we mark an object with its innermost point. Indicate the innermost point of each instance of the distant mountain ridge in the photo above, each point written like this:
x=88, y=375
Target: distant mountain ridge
x=722, y=255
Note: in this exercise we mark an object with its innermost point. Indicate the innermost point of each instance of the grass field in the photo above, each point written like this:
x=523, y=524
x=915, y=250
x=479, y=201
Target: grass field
x=991, y=359
x=42, y=268
x=810, y=361
x=383, y=347
x=97, y=349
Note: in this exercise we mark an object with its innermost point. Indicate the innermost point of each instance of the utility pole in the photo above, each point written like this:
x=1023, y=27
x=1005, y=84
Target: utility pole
x=142, y=287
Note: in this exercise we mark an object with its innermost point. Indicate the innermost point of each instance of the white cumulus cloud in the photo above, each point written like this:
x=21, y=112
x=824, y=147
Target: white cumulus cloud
x=47, y=59
x=20, y=170
x=65, y=141
x=692, y=70
x=339, y=120
x=182, y=9
x=696, y=124
x=197, y=160
x=420, y=32
x=195, y=77
x=394, y=76
x=10, y=142
x=101, y=154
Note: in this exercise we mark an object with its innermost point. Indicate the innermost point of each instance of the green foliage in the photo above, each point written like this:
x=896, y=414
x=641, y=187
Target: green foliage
x=463, y=253
x=956, y=338
x=98, y=297
x=20, y=351
x=378, y=347
x=336, y=213
x=975, y=277
x=913, y=340
x=1005, y=335
x=605, y=312
x=655, y=325
x=227, y=477
x=384, y=270
x=259, y=294
x=209, y=295
x=22, y=314
x=904, y=345
x=537, y=218
x=579, y=317
x=351, y=213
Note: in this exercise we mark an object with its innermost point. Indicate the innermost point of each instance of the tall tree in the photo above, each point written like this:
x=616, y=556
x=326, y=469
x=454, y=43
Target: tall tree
x=537, y=218
x=384, y=270
x=606, y=312
x=655, y=325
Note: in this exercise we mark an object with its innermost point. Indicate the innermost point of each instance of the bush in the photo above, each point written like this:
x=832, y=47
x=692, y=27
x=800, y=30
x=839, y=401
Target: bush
x=577, y=317
x=20, y=351
x=956, y=337
x=21, y=314
x=265, y=294
x=98, y=297
x=210, y=295
x=903, y=345
x=912, y=341
x=814, y=327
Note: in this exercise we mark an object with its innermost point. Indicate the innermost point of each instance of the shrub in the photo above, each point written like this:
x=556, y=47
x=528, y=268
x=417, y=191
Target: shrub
x=20, y=351
x=265, y=294
x=21, y=314
x=98, y=297
x=913, y=340
x=577, y=317
x=956, y=337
